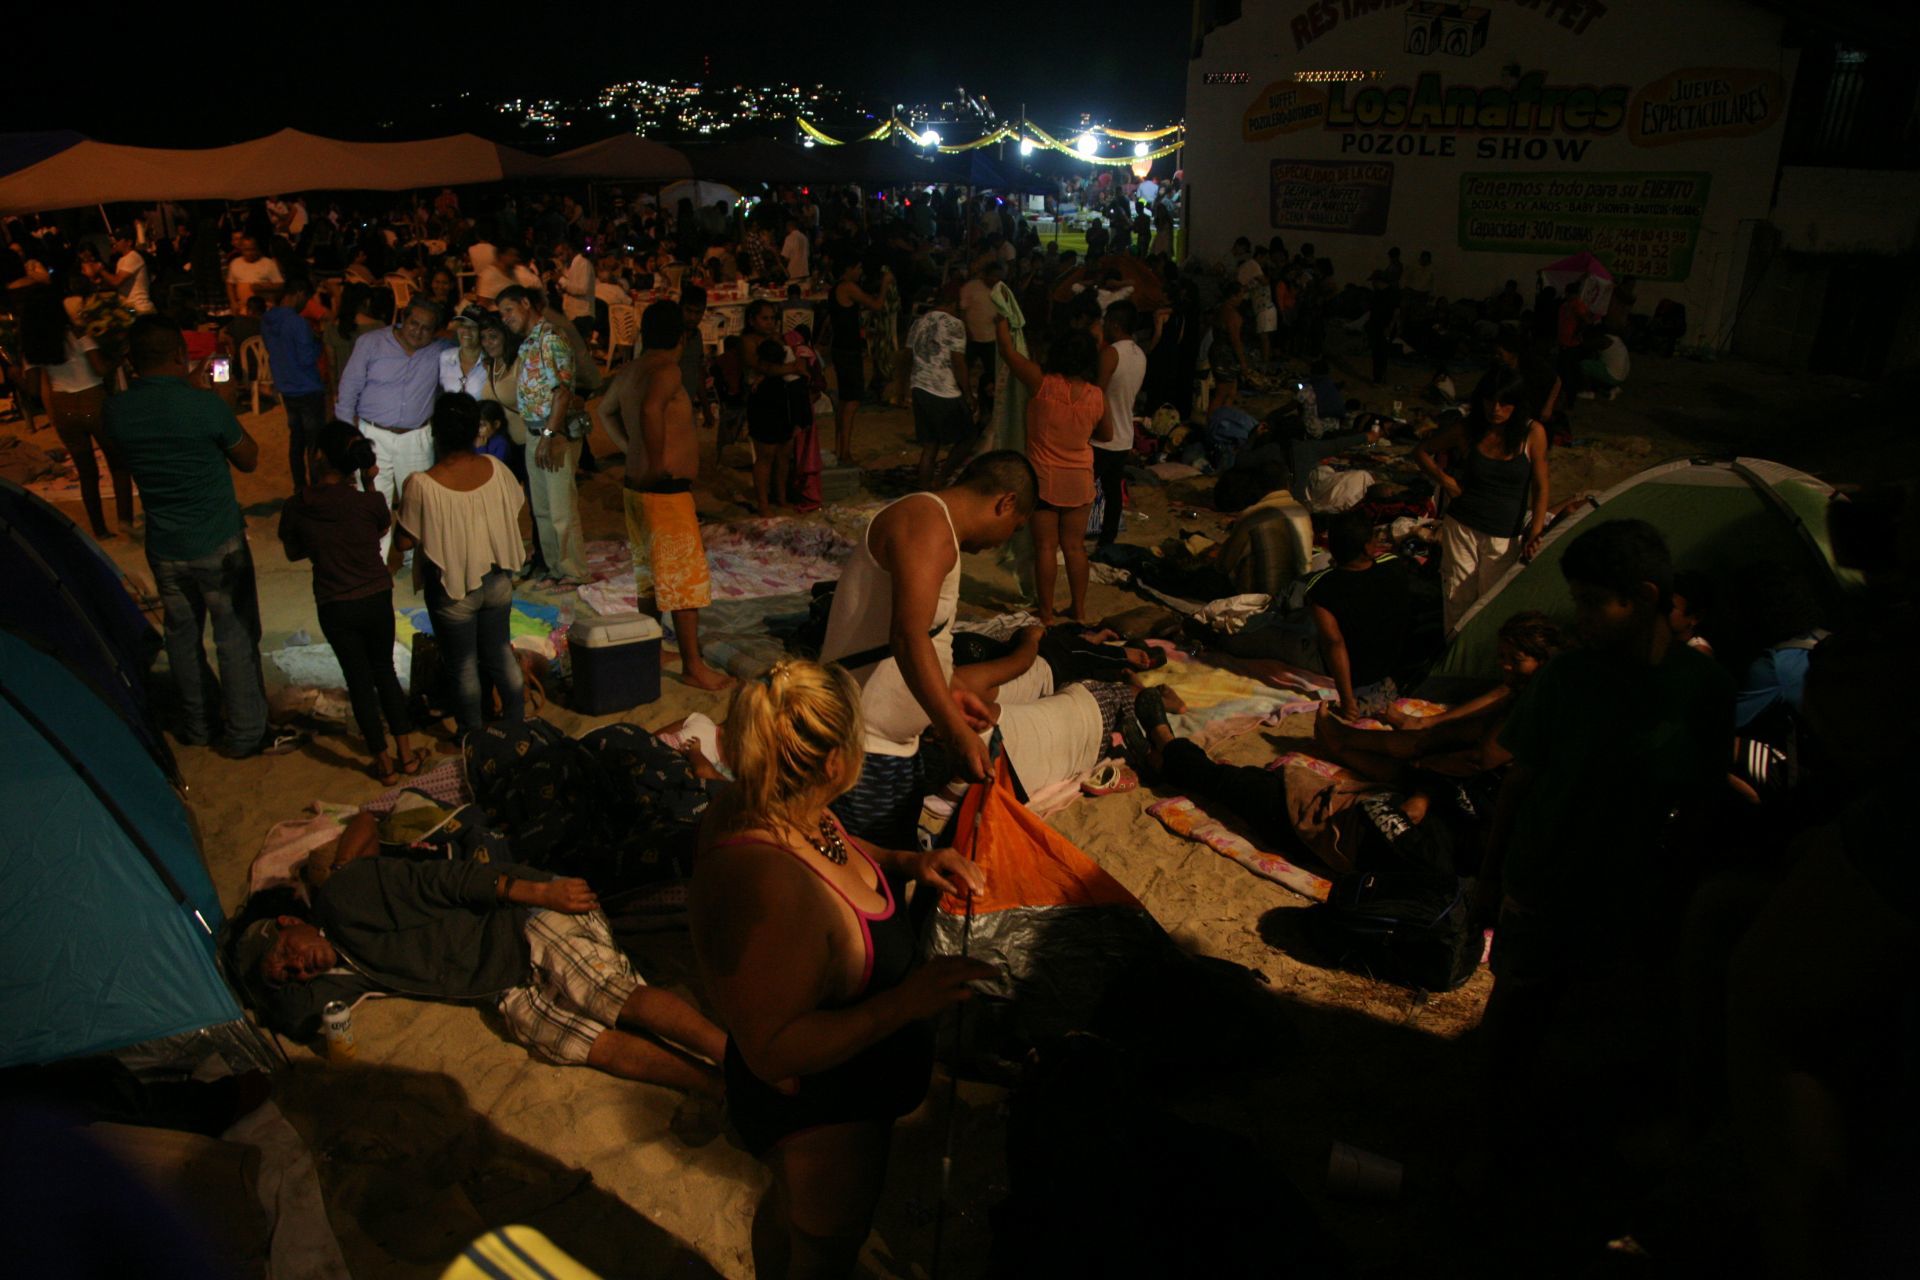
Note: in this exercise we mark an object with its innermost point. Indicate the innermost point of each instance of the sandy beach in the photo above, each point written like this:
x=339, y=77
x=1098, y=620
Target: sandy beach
x=442, y=1127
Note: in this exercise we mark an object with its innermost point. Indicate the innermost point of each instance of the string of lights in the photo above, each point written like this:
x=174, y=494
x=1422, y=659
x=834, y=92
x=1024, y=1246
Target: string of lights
x=1084, y=147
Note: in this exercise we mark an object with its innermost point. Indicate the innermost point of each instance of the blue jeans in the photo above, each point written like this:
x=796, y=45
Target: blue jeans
x=221, y=586
x=474, y=632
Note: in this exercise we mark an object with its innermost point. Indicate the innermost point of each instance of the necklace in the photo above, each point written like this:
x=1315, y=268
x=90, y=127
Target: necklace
x=830, y=845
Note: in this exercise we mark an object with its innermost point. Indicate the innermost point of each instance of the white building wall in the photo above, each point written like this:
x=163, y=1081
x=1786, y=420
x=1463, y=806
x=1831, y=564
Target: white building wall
x=1501, y=136
x=1848, y=210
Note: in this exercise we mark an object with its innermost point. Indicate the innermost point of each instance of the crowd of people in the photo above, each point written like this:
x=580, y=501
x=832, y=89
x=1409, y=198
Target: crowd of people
x=443, y=387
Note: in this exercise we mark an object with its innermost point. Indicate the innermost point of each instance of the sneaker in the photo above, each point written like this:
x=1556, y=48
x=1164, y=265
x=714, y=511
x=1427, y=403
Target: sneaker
x=275, y=742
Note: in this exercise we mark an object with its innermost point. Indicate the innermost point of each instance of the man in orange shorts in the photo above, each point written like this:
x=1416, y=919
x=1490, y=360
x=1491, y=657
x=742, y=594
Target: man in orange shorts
x=669, y=560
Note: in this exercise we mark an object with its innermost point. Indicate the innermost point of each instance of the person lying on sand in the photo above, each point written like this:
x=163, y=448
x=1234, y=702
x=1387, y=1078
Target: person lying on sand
x=538, y=949
x=1305, y=804
x=1458, y=742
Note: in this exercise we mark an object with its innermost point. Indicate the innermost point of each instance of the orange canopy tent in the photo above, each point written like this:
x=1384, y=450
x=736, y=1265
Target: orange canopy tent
x=90, y=173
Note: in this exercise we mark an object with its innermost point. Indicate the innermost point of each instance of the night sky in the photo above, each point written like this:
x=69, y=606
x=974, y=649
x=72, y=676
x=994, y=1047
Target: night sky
x=161, y=76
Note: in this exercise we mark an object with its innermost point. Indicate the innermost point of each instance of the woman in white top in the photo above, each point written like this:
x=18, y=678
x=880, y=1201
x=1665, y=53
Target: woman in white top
x=463, y=367
x=463, y=513
x=71, y=373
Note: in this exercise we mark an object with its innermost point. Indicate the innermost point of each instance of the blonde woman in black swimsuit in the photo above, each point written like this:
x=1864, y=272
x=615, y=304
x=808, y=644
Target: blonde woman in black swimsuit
x=809, y=959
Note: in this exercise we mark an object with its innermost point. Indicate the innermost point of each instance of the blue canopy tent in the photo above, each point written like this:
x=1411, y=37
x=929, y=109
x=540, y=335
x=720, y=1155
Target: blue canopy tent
x=107, y=916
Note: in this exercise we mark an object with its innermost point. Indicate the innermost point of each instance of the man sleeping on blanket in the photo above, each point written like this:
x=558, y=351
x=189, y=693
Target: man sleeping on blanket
x=472, y=929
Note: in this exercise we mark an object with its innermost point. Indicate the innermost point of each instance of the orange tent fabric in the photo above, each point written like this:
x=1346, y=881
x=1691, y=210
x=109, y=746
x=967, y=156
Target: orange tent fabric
x=1027, y=862
x=1059, y=930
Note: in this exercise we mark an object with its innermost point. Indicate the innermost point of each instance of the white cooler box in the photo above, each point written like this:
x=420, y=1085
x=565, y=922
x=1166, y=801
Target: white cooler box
x=616, y=662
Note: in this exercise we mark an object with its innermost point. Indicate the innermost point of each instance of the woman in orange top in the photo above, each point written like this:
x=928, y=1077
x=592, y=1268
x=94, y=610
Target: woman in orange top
x=1067, y=413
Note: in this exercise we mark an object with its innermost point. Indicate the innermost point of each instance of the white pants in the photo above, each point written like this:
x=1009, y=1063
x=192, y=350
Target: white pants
x=400, y=454
x=1470, y=563
x=556, y=509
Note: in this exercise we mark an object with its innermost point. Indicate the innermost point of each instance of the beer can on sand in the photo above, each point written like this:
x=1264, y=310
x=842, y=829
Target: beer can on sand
x=337, y=1021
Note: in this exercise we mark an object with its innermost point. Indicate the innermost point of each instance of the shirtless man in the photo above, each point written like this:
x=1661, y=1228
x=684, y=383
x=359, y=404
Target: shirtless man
x=669, y=560
x=892, y=628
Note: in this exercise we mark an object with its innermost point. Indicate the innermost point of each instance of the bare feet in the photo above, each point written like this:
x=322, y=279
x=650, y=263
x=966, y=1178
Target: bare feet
x=705, y=677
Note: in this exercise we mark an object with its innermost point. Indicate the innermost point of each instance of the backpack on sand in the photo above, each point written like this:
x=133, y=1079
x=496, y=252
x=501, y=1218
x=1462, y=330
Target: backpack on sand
x=1406, y=916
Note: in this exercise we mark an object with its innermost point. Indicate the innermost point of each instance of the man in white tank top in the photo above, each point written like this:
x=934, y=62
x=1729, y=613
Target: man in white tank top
x=892, y=627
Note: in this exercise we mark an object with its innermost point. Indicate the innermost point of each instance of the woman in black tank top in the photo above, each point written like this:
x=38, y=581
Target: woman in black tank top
x=808, y=956
x=844, y=305
x=1495, y=492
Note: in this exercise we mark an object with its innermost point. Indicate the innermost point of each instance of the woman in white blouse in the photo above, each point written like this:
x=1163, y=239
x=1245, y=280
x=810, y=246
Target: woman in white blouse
x=463, y=513
x=463, y=367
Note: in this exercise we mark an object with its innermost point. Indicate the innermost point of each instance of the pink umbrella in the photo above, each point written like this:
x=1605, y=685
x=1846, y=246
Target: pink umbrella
x=1566, y=273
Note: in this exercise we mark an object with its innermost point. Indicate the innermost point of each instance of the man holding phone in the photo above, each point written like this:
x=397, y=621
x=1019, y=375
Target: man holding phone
x=182, y=445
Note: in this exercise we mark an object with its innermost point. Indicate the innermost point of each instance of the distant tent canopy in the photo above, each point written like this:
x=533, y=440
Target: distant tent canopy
x=88, y=173
x=107, y=916
x=1729, y=520
x=624, y=158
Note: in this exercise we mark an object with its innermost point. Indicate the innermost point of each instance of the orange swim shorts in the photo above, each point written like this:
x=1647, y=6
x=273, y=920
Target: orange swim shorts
x=669, y=560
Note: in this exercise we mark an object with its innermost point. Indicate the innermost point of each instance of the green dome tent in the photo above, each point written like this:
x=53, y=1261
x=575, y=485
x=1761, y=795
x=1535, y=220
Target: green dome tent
x=1719, y=517
x=107, y=916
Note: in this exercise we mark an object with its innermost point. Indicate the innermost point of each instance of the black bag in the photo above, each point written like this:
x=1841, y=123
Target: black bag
x=1419, y=935
x=1406, y=917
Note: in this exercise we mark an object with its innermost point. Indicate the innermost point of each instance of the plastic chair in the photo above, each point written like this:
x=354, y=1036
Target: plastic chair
x=402, y=292
x=256, y=368
x=623, y=330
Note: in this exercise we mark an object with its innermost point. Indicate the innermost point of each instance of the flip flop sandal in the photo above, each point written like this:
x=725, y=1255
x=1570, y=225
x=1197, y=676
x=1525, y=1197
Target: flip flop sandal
x=1110, y=777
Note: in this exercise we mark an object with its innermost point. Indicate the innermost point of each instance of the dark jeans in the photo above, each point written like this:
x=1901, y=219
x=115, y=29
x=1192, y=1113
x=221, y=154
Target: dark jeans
x=305, y=416
x=1110, y=469
x=220, y=586
x=361, y=633
x=1257, y=795
x=474, y=634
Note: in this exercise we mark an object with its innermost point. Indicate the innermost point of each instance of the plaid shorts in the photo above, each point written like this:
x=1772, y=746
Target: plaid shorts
x=581, y=978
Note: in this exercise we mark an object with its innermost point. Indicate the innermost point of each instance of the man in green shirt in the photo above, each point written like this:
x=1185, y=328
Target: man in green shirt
x=179, y=441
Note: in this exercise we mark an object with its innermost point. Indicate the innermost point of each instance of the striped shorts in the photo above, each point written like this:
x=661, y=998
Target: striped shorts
x=581, y=978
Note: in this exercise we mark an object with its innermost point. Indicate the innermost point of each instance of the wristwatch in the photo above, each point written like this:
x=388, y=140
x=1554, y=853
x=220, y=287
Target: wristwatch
x=548, y=433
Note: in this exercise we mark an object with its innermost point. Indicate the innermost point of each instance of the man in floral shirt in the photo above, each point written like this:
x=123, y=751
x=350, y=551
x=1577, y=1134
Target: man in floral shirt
x=557, y=423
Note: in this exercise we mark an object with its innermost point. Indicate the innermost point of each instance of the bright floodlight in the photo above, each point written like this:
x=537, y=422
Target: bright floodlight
x=806, y=142
x=930, y=139
x=1139, y=148
x=1026, y=146
x=1086, y=144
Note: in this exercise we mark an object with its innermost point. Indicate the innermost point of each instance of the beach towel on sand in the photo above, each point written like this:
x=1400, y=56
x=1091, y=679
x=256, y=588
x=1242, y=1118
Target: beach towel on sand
x=1182, y=817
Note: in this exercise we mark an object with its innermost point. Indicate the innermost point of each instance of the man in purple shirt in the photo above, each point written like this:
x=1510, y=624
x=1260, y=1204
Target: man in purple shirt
x=293, y=353
x=388, y=389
